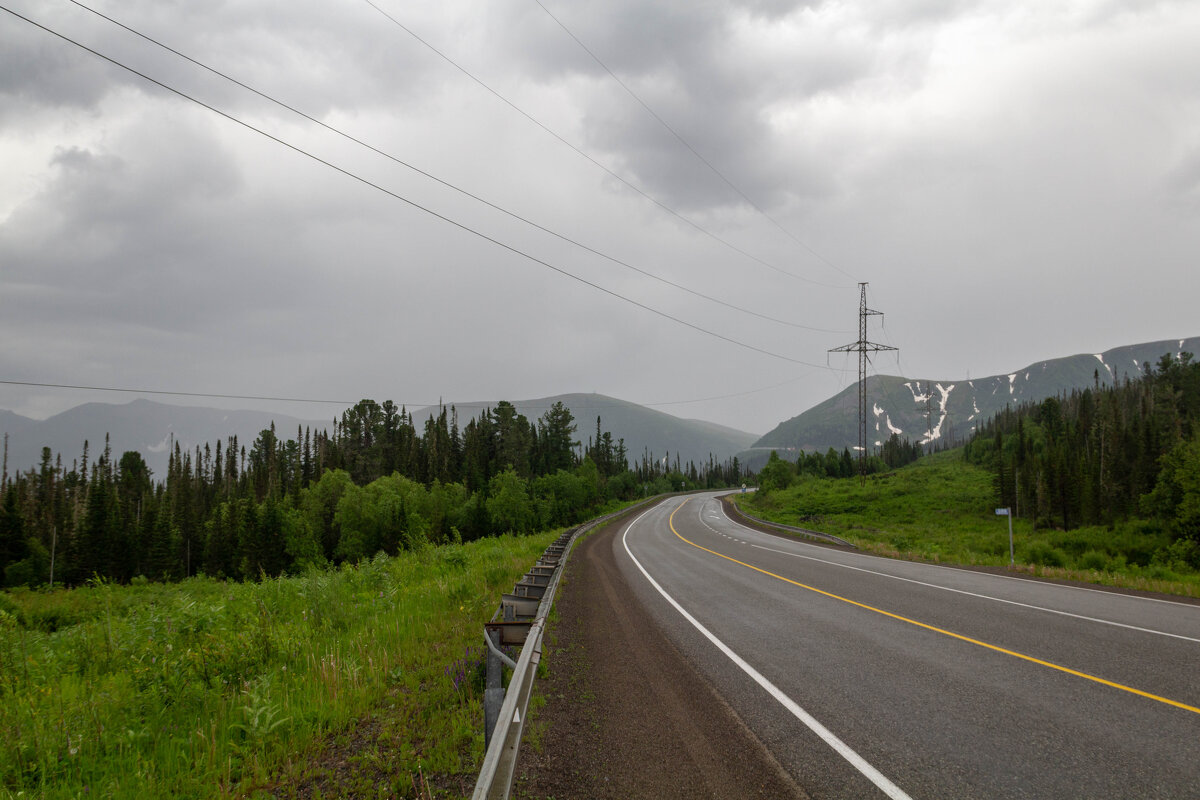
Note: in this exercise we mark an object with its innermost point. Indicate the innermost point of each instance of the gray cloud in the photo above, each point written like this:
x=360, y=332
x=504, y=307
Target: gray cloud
x=36, y=72
x=1016, y=181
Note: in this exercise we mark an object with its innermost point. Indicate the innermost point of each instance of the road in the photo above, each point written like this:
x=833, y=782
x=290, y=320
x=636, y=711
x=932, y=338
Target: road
x=870, y=677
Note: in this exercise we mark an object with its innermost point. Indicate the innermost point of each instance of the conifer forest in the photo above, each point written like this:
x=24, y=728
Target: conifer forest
x=371, y=483
x=1104, y=454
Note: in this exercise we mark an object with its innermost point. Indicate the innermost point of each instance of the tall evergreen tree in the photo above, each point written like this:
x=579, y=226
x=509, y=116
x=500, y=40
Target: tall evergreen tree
x=13, y=546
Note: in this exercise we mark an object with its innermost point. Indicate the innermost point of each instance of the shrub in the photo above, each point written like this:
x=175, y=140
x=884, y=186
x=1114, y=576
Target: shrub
x=1182, y=556
x=1044, y=555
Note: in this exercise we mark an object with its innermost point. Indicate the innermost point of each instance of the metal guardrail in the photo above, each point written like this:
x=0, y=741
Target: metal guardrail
x=500, y=760
x=817, y=535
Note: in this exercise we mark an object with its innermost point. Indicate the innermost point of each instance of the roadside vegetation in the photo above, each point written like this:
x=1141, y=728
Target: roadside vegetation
x=300, y=619
x=942, y=510
x=209, y=688
x=1103, y=485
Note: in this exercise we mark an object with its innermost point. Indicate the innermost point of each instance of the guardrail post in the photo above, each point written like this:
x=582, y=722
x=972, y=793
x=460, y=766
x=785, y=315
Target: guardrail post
x=504, y=711
x=493, y=693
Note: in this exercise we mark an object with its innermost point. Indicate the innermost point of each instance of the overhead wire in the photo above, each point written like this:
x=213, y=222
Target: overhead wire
x=349, y=403
x=179, y=394
x=627, y=183
x=688, y=145
x=412, y=203
x=447, y=184
x=887, y=340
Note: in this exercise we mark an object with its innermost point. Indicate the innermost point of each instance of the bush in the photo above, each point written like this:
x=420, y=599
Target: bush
x=11, y=610
x=1182, y=556
x=21, y=573
x=1044, y=555
x=777, y=474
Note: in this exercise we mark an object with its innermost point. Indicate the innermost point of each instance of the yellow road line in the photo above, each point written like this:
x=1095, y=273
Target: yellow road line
x=935, y=629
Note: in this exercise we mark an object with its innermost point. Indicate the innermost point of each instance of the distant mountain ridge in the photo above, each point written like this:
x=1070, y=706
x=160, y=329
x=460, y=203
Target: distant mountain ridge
x=931, y=410
x=150, y=428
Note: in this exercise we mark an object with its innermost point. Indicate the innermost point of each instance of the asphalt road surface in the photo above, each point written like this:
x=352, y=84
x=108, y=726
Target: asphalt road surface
x=868, y=677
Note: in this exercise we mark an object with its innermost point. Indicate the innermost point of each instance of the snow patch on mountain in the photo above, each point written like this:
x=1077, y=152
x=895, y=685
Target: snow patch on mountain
x=161, y=447
x=935, y=432
x=945, y=392
x=1100, y=358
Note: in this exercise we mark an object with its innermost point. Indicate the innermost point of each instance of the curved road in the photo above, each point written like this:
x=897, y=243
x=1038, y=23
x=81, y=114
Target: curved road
x=868, y=677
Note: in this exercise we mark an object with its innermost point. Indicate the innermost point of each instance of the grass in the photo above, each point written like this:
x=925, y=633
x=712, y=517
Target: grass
x=942, y=510
x=214, y=689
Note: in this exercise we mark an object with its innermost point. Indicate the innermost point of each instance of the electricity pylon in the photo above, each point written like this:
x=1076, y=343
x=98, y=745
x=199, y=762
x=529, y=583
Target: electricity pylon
x=862, y=347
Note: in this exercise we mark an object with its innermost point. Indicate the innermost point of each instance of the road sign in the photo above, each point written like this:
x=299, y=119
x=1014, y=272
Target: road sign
x=1007, y=512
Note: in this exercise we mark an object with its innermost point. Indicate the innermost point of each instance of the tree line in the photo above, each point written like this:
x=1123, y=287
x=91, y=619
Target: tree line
x=893, y=453
x=372, y=483
x=1103, y=454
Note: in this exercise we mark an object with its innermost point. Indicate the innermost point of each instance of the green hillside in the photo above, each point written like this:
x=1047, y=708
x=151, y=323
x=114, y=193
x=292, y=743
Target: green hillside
x=942, y=509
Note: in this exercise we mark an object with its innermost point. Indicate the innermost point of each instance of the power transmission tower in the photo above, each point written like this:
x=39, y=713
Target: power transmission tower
x=862, y=347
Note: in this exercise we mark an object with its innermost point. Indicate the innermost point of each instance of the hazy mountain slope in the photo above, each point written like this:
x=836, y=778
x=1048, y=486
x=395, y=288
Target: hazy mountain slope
x=142, y=425
x=150, y=428
x=643, y=429
x=928, y=410
x=13, y=423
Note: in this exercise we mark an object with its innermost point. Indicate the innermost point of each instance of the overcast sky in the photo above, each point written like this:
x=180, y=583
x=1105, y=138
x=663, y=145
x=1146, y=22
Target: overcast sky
x=1016, y=180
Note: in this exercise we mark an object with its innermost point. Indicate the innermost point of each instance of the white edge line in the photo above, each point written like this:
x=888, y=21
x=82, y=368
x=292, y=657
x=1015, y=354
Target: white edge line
x=842, y=749
x=989, y=575
x=976, y=594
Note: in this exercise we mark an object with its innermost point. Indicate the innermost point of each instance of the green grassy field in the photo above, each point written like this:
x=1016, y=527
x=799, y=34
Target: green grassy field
x=364, y=681
x=941, y=509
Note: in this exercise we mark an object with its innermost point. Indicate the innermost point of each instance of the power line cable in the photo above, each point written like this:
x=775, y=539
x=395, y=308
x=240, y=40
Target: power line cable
x=412, y=203
x=629, y=184
x=447, y=184
x=180, y=394
x=887, y=339
x=689, y=147
x=350, y=403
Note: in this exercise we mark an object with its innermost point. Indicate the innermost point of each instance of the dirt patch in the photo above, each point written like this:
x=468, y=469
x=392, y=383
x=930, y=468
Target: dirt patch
x=624, y=714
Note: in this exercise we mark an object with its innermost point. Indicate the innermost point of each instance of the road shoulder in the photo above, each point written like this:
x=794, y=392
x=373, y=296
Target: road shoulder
x=625, y=715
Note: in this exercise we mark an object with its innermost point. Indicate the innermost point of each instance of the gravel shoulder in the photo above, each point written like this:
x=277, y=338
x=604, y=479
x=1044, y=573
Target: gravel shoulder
x=620, y=713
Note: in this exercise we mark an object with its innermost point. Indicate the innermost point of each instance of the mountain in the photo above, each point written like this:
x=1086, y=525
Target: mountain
x=644, y=430
x=931, y=410
x=141, y=425
x=14, y=423
x=150, y=428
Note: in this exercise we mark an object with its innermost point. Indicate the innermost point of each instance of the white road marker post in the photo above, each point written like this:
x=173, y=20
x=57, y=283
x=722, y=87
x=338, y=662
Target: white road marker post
x=1004, y=512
